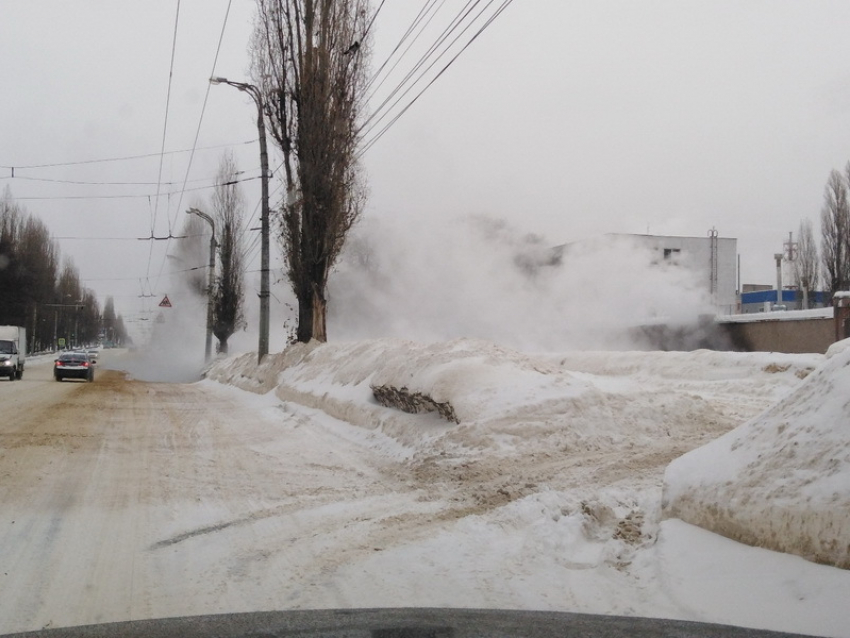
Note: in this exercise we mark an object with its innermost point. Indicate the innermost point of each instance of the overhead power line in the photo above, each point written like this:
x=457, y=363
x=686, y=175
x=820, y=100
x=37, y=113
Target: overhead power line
x=423, y=13
x=97, y=238
x=134, y=196
x=434, y=53
x=430, y=51
x=75, y=182
x=439, y=49
x=118, y=159
x=168, y=274
x=81, y=238
x=372, y=21
x=197, y=133
x=203, y=110
x=165, y=120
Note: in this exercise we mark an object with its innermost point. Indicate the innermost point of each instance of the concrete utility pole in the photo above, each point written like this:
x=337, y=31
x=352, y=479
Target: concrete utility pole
x=210, y=281
x=778, y=258
x=257, y=96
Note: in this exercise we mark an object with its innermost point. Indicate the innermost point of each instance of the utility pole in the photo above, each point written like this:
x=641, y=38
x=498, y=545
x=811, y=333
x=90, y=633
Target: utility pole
x=257, y=96
x=210, y=281
x=790, y=247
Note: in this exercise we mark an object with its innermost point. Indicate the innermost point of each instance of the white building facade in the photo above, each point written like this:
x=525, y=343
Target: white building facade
x=714, y=259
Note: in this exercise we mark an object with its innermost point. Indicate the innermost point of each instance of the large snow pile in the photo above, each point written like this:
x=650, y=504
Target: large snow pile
x=508, y=402
x=781, y=480
x=525, y=421
x=545, y=495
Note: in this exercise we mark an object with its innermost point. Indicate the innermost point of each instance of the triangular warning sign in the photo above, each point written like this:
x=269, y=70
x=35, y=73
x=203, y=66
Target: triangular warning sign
x=165, y=303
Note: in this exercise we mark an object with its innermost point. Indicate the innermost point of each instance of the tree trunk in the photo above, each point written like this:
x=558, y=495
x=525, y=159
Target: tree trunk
x=320, y=311
x=305, y=315
x=312, y=314
x=222, y=346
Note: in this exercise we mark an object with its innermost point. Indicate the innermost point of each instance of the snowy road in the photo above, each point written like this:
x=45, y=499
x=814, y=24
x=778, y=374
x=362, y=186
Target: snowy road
x=125, y=500
x=108, y=490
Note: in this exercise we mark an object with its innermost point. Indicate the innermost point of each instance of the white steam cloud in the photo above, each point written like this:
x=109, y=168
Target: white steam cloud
x=173, y=348
x=479, y=277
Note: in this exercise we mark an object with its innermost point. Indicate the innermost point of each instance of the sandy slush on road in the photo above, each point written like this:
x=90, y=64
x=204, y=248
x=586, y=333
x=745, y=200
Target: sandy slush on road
x=105, y=486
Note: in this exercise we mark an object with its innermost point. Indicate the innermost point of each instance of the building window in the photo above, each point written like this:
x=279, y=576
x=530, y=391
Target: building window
x=671, y=253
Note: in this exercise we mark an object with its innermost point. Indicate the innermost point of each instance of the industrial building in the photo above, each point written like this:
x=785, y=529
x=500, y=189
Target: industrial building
x=763, y=299
x=712, y=258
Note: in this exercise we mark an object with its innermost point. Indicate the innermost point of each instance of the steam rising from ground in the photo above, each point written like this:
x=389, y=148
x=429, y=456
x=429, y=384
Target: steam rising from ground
x=479, y=277
x=174, y=352
x=434, y=280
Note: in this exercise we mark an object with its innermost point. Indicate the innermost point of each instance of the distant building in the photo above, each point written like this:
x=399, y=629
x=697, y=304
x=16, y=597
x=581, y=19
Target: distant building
x=714, y=259
x=764, y=299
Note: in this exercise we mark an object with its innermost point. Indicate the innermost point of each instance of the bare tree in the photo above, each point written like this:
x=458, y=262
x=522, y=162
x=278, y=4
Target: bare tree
x=69, y=298
x=37, y=258
x=228, y=290
x=89, y=318
x=108, y=320
x=309, y=62
x=35, y=293
x=807, y=263
x=844, y=235
x=835, y=225
x=28, y=270
x=122, y=337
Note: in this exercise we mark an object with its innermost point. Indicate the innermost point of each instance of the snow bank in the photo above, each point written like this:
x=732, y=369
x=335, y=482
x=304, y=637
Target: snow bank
x=482, y=382
x=507, y=402
x=837, y=348
x=781, y=480
x=546, y=495
x=779, y=315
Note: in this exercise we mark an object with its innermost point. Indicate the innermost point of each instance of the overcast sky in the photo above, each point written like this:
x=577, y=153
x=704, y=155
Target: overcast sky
x=568, y=119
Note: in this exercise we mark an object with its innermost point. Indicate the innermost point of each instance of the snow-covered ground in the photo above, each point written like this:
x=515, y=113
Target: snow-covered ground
x=288, y=486
x=782, y=480
x=547, y=492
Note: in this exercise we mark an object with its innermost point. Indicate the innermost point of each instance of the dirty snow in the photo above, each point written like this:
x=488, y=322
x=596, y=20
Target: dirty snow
x=782, y=480
x=547, y=494
x=287, y=486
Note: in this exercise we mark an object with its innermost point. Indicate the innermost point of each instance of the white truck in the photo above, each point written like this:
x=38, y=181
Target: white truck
x=13, y=351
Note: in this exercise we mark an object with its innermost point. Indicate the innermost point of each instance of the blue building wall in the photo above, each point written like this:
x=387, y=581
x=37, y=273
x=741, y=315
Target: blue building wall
x=792, y=299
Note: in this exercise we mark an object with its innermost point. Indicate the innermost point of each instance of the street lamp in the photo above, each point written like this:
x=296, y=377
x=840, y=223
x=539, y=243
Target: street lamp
x=257, y=96
x=209, y=220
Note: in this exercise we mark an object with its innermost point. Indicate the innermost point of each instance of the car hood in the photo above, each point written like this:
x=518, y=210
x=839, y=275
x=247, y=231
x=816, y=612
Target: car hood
x=406, y=623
